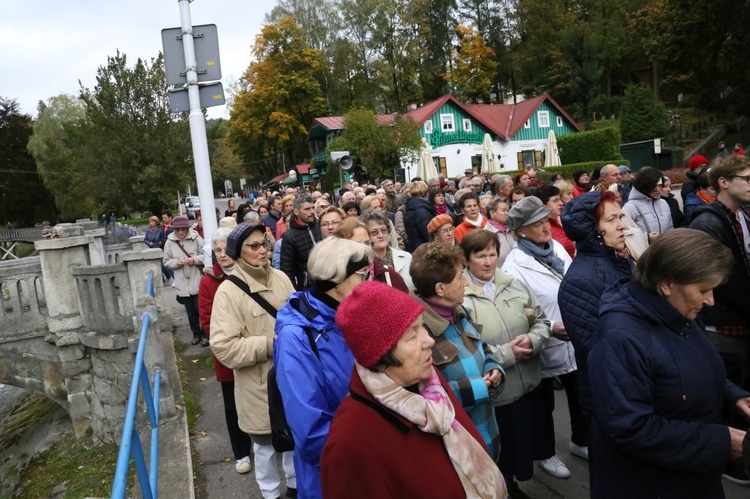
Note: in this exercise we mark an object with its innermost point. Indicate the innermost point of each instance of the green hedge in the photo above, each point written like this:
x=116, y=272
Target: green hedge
x=588, y=146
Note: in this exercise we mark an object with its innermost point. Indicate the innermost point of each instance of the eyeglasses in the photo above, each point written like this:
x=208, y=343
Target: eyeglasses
x=255, y=246
x=381, y=230
x=365, y=274
x=329, y=224
x=446, y=232
x=746, y=178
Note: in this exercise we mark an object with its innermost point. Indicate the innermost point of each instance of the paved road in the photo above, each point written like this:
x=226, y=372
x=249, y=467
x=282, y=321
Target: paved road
x=212, y=454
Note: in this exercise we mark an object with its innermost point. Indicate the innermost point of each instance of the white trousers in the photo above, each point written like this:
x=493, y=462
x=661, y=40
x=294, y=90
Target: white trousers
x=266, y=473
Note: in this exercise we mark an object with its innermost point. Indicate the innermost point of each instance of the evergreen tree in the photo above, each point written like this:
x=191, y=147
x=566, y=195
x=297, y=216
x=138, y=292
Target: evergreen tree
x=642, y=117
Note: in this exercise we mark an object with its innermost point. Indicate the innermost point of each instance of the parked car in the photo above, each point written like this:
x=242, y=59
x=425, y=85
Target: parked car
x=192, y=204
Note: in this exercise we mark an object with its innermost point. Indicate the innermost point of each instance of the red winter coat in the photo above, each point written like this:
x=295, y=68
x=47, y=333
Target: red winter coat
x=208, y=286
x=558, y=234
x=372, y=452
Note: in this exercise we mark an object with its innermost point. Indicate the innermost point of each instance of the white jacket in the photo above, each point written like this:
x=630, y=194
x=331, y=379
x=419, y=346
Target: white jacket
x=649, y=214
x=187, y=278
x=402, y=262
x=558, y=357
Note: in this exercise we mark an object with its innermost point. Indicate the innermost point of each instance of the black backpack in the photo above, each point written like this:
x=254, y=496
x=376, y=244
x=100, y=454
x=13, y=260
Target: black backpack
x=281, y=435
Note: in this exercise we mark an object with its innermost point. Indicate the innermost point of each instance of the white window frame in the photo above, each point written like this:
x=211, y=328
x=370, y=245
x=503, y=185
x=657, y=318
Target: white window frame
x=467, y=125
x=447, y=119
x=428, y=127
x=527, y=124
x=559, y=122
x=539, y=121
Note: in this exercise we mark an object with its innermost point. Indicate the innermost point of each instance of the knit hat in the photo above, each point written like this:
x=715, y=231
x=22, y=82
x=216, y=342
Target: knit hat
x=438, y=222
x=525, y=212
x=228, y=222
x=238, y=236
x=697, y=161
x=578, y=173
x=373, y=318
x=181, y=222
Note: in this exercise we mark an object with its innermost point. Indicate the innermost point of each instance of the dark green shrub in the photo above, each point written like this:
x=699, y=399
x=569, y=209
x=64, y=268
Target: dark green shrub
x=642, y=117
x=590, y=146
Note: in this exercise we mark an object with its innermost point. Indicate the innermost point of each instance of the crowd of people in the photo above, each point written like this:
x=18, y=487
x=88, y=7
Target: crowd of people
x=418, y=332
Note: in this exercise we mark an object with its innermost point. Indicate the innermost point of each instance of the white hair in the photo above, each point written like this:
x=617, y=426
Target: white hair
x=251, y=217
x=329, y=258
x=220, y=234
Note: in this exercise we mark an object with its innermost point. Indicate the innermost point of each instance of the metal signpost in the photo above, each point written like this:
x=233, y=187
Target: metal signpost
x=191, y=56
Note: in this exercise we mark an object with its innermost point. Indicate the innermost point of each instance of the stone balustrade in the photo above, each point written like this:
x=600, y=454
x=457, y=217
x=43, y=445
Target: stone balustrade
x=24, y=306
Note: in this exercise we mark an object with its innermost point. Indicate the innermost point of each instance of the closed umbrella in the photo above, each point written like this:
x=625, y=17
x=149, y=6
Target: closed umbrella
x=489, y=160
x=552, y=156
x=426, y=168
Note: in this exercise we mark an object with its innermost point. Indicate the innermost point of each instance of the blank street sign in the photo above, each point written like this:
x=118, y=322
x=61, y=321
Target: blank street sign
x=206, y=38
x=211, y=94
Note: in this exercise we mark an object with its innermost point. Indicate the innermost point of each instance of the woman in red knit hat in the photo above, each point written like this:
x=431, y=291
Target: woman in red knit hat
x=401, y=432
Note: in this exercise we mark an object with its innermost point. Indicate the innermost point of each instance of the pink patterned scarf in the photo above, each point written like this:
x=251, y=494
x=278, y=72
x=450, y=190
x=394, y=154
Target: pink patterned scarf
x=432, y=411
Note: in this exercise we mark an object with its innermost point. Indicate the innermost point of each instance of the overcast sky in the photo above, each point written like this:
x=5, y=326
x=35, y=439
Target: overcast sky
x=46, y=46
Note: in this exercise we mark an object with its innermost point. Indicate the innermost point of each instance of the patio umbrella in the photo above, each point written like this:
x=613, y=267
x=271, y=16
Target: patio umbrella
x=426, y=168
x=552, y=156
x=489, y=160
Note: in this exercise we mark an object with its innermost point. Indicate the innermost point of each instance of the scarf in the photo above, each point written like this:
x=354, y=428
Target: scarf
x=476, y=223
x=432, y=411
x=488, y=287
x=704, y=196
x=442, y=209
x=387, y=260
x=546, y=256
x=500, y=227
x=444, y=311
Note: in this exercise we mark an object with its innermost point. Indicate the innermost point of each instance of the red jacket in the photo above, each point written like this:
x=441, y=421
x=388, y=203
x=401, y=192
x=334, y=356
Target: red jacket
x=558, y=234
x=206, y=291
x=578, y=190
x=372, y=452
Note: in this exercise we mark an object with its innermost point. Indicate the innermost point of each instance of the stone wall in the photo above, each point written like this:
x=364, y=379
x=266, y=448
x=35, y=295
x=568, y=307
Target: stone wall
x=70, y=326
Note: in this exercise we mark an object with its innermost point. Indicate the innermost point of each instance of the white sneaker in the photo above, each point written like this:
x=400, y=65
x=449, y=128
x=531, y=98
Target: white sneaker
x=554, y=467
x=243, y=465
x=579, y=451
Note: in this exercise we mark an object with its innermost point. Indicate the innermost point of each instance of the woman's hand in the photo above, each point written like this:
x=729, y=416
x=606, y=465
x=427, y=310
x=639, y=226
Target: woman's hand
x=521, y=347
x=743, y=405
x=737, y=436
x=190, y=261
x=493, y=378
x=558, y=331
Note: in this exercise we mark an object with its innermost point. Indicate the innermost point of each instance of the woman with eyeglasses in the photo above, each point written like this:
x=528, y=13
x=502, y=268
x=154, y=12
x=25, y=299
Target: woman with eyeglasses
x=310, y=347
x=441, y=229
x=466, y=362
x=645, y=206
x=183, y=253
x=497, y=217
x=378, y=227
x=242, y=338
x=330, y=219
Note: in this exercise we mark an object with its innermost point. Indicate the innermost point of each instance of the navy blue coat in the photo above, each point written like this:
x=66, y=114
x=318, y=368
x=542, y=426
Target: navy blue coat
x=594, y=269
x=417, y=217
x=659, y=387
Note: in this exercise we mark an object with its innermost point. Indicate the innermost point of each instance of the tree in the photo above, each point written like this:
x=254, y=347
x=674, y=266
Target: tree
x=376, y=148
x=282, y=96
x=117, y=147
x=58, y=146
x=225, y=165
x=642, y=117
x=475, y=66
x=24, y=200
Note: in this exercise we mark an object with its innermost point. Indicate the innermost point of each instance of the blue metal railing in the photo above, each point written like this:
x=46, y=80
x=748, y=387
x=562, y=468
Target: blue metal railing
x=130, y=444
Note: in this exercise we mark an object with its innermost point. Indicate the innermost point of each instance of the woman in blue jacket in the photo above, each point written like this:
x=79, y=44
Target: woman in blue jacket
x=658, y=384
x=312, y=386
x=594, y=221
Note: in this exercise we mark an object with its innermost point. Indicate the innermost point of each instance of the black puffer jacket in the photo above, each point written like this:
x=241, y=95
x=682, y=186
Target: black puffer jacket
x=417, y=216
x=299, y=240
x=595, y=268
x=732, y=299
x=690, y=184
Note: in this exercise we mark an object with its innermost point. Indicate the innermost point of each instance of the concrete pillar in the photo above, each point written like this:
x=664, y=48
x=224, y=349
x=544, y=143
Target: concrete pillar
x=57, y=256
x=96, y=248
x=137, y=243
x=139, y=264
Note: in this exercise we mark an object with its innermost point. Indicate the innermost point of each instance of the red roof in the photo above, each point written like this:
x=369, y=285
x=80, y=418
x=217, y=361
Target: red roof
x=504, y=120
x=303, y=169
x=278, y=178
